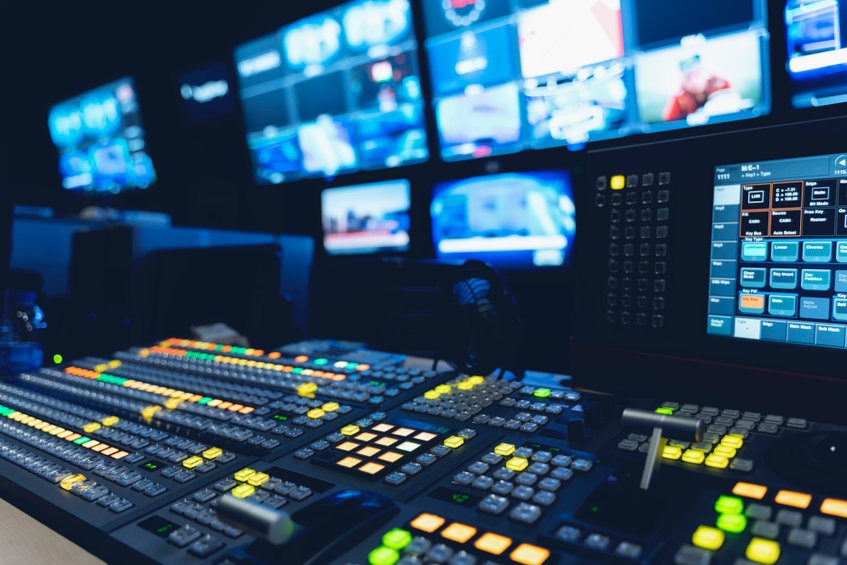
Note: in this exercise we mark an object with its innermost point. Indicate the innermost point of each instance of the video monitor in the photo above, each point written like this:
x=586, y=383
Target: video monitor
x=366, y=218
x=206, y=92
x=333, y=93
x=817, y=55
x=101, y=140
x=539, y=73
x=510, y=220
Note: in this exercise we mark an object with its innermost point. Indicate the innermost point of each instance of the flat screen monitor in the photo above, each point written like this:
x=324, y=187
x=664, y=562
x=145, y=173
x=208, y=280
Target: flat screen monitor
x=101, y=140
x=817, y=54
x=334, y=93
x=510, y=220
x=510, y=75
x=778, y=264
x=366, y=218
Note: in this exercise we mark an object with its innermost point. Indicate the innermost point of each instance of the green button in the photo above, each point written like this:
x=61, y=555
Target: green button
x=729, y=505
x=383, y=556
x=665, y=410
x=541, y=392
x=733, y=523
x=352, y=366
x=297, y=370
x=396, y=539
x=320, y=361
x=83, y=439
x=204, y=400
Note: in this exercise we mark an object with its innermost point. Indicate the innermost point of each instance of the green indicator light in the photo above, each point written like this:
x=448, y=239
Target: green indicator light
x=297, y=370
x=320, y=361
x=83, y=439
x=57, y=359
x=729, y=505
x=665, y=410
x=541, y=393
x=396, y=539
x=733, y=523
x=204, y=400
x=218, y=348
x=352, y=365
x=383, y=556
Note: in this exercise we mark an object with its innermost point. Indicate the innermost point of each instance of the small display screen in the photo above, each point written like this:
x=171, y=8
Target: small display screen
x=206, y=92
x=514, y=220
x=778, y=264
x=455, y=497
x=158, y=526
x=367, y=218
x=101, y=140
x=333, y=93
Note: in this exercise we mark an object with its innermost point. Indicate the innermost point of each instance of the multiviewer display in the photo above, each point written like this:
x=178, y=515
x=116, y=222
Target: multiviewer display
x=508, y=75
x=817, y=55
x=366, y=218
x=778, y=267
x=101, y=140
x=512, y=220
x=333, y=93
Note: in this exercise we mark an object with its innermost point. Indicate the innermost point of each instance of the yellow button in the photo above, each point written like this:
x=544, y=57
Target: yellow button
x=92, y=427
x=350, y=430
x=454, y=441
x=244, y=474
x=243, y=491
x=617, y=182
x=725, y=451
x=212, y=452
x=672, y=452
x=431, y=394
x=114, y=364
x=693, y=456
x=517, y=464
x=315, y=413
x=306, y=389
x=750, y=490
x=465, y=385
x=717, y=461
x=504, y=449
x=443, y=389
x=492, y=543
x=68, y=482
x=527, y=554
x=708, y=538
x=148, y=412
x=476, y=380
x=173, y=403
x=192, y=462
x=101, y=367
x=732, y=440
x=795, y=499
x=256, y=479
x=762, y=551
x=834, y=507
x=330, y=406
x=110, y=421
x=427, y=522
x=459, y=533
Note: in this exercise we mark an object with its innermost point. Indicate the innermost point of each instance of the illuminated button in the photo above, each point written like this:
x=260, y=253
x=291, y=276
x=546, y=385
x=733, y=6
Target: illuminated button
x=173, y=403
x=382, y=428
x=732, y=440
x=371, y=468
x=244, y=474
x=338, y=364
x=454, y=442
x=672, y=452
x=733, y=523
x=665, y=410
x=192, y=462
x=504, y=449
x=386, y=441
x=347, y=446
x=427, y=522
x=383, y=556
x=791, y=498
x=256, y=479
x=729, y=505
x=110, y=451
x=349, y=430
x=693, y=456
x=315, y=413
x=762, y=551
x=408, y=446
x=63, y=434
x=517, y=464
x=443, y=389
x=617, y=182
x=717, y=461
x=365, y=436
x=214, y=402
x=243, y=491
x=368, y=451
x=68, y=482
x=396, y=538
x=306, y=389
x=708, y=538
x=73, y=437
x=750, y=490
x=527, y=554
x=432, y=394
x=92, y=427
x=118, y=455
x=403, y=432
x=834, y=507
x=542, y=392
x=426, y=436
x=725, y=451
x=330, y=407
x=476, y=380
x=391, y=456
x=90, y=444
x=212, y=452
x=349, y=462
x=464, y=385
x=492, y=543
x=301, y=359
x=458, y=532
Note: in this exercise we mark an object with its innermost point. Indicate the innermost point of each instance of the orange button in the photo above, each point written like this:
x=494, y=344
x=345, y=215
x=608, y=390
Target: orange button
x=427, y=522
x=349, y=462
x=492, y=543
x=834, y=507
x=752, y=301
x=371, y=468
x=458, y=532
x=795, y=499
x=347, y=446
x=527, y=554
x=750, y=490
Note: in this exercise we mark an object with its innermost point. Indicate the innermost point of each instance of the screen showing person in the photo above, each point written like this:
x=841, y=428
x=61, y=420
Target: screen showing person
x=366, y=218
x=101, y=140
x=511, y=220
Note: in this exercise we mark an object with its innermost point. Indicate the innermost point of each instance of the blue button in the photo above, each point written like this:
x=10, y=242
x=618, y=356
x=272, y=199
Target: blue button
x=720, y=325
x=725, y=250
x=721, y=305
x=841, y=252
x=840, y=281
x=817, y=251
x=801, y=333
x=751, y=251
x=839, y=309
x=830, y=336
x=773, y=330
x=814, y=308
x=753, y=278
x=816, y=279
x=787, y=252
x=722, y=269
x=782, y=304
x=721, y=287
x=784, y=279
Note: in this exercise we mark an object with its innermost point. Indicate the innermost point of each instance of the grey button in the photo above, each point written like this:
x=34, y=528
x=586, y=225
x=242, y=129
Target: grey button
x=583, y=465
x=527, y=479
x=462, y=558
x=523, y=492
x=690, y=555
x=426, y=459
x=744, y=465
x=411, y=468
x=597, y=541
x=478, y=468
x=628, y=550
x=524, y=452
x=789, y=518
x=494, y=504
x=542, y=456
x=568, y=534
x=502, y=487
x=759, y=512
x=802, y=538
x=562, y=461
x=768, y=530
x=527, y=513
x=844, y=549
x=767, y=428
x=544, y=498
x=628, y=445
x=395, y=478
x=797, y=423
x=821, y=525
x=463, y=478
x=561, y=473
x=491, y=458
x=818, y=559
x=504, y=474
x=539, y=468
x=417, y=546
x=439, y=553
x=482, y=482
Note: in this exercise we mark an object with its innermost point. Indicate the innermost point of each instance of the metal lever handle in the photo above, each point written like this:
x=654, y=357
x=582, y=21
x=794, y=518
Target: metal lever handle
x=274, y=526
